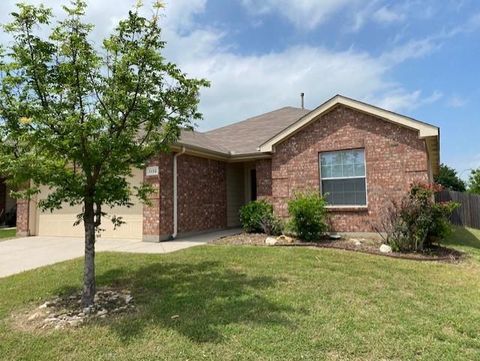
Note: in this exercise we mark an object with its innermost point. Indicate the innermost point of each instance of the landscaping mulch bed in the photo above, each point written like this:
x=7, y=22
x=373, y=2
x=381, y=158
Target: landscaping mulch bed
x=369, y=246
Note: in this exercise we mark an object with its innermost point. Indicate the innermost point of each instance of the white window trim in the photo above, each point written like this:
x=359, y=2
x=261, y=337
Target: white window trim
x=346, y=206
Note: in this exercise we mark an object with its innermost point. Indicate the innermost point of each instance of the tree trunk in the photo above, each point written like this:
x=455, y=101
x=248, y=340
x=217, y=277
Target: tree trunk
x=89, y=288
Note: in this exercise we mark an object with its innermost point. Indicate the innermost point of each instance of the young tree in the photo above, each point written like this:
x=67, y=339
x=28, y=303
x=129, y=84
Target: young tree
x=77, y=116
x=474, y=181
x=448, y=178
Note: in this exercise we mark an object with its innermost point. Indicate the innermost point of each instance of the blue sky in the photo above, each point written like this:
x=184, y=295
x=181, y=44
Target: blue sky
x=419, y=58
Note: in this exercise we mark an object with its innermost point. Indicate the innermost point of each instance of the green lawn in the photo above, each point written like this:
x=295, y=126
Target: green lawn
x=258, y=303
x=7, y=233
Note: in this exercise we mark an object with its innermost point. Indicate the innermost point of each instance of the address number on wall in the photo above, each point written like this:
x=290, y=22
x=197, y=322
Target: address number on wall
x=151, y=171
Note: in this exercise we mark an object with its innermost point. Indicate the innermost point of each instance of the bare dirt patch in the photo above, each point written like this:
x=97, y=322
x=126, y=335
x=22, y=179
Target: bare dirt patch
x=64, y=312
x=364, y=245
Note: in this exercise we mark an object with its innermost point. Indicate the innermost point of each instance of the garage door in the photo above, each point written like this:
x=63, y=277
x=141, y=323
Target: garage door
x=60, y=222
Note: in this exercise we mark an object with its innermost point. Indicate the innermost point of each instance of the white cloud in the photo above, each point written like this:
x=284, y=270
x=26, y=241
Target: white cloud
x=468, y=26
x=243, y=86
x=361, y=15
x=457, y=102
x=402, y=100
x=387, y=15
x=309, y=14
x=246, y=85
x=412, y=49
x=304, y=14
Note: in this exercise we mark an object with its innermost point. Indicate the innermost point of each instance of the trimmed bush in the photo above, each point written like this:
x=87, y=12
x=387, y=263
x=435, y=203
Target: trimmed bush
x=258, y=217
x=418, y=221
x=308, y=216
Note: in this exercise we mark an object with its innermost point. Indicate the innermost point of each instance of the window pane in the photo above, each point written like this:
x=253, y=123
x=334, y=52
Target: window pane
x=361, y=198
x=327, y=158
x=335, y=198
x=349, y=187
x=337, y=158
x=326, y=171
x=337, y=171
x=327, y=187
x=342, y=164
x=345, y=192
x=348, y=170
x=358, y=156
x=359, y=170
x=349, y=157
x=349, y=198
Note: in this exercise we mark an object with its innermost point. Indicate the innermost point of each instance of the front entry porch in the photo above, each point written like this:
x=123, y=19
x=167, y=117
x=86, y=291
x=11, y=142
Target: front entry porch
x=241, y=189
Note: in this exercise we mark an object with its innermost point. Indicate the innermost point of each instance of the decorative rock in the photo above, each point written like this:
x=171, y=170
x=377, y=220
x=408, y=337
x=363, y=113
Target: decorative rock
x=102, y=312
x=334, y=236
x=60, y=325
x=271, y=241
x=356, y=242
x=385, y=248
x=46, y=304
x=65, y=312
x=75, y=323
x=285, y=239
x=34, y=316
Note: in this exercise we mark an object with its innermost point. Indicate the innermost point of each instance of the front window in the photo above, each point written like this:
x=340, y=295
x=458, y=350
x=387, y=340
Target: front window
x=342, y=176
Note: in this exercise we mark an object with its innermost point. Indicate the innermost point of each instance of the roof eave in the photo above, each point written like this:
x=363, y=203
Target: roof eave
x=221, y=156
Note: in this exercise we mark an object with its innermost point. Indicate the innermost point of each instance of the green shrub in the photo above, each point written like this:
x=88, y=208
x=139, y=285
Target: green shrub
x=308, y=216
x=418, y=221
x=258, y=217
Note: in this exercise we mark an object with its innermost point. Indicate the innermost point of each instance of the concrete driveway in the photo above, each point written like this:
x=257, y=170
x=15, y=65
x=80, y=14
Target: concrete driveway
x=22, y=254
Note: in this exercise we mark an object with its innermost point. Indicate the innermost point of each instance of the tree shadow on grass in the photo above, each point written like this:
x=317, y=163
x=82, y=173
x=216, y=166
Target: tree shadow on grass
x=206, y=296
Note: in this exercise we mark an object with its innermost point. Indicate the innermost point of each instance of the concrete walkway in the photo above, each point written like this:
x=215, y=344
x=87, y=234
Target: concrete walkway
x=22, y=254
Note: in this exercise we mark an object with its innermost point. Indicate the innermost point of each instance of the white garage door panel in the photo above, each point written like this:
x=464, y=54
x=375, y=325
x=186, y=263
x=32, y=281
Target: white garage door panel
x=60, y=222
x=52, y=224
x=62, y=225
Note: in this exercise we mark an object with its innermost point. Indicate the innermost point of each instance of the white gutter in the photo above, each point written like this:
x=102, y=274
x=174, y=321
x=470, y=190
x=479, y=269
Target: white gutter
x=175, y=191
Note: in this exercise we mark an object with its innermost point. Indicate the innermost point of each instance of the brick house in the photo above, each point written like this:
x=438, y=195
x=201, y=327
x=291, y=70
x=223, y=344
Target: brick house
x=358, y=155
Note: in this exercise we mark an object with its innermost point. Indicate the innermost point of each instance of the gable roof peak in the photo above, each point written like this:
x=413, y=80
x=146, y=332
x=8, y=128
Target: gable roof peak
x=425, y=130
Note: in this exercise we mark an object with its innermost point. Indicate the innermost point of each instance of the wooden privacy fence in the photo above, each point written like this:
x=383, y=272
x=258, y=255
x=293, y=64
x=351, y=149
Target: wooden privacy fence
x=468, y=214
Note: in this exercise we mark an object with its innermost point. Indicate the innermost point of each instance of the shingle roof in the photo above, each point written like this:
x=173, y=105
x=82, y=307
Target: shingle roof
x=246, y=136
x=257, y=136
x=200, y=140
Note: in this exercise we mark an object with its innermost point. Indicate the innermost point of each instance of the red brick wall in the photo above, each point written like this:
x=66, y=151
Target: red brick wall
x=264, y=178
x=202, y=194
x=22, y=217
x=166, y=194
x=395, y=157
x=151, y=212
x=202, y=198
x=158, y=216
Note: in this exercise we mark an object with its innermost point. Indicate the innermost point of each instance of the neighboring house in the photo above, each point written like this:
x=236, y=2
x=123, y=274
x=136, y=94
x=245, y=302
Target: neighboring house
x=360, y=156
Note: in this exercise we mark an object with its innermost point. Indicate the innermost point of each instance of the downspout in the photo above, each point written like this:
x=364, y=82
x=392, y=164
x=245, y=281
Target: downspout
x=175, y=193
